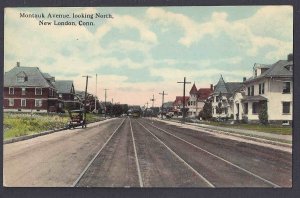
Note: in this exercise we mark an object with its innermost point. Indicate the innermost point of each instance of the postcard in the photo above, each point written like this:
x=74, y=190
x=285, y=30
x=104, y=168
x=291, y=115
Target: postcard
x=194, y=96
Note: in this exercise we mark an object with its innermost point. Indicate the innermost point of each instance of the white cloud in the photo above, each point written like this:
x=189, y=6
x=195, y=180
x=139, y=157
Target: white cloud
x=251, y=34
x=126, y=21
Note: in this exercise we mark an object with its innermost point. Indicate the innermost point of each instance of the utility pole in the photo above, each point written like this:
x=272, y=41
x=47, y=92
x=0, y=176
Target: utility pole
x=183, y=110
x=162, y=103
x=86, y=85
x=96, y=96
x=105, y=103
x=152, y=100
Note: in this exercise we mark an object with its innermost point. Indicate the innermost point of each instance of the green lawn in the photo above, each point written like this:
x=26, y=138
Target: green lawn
x=17, y=124
x=276, y=129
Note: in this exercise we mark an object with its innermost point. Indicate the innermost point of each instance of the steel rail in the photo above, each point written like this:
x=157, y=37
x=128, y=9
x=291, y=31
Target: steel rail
x=178, y=157
x=89, y=164
x=218, y=157
x=136, y=157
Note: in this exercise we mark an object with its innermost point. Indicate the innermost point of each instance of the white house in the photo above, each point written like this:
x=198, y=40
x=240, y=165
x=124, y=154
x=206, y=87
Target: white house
x=272, y=84
x=197, y=99
x=223, y=98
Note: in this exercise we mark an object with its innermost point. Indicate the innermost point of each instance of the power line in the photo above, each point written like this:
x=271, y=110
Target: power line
x=183, y=110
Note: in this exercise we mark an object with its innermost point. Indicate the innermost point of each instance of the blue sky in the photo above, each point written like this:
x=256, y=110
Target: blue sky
x=144, y=51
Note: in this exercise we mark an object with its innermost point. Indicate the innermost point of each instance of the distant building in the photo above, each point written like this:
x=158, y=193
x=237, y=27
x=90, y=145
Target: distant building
x=27, y=89
x=178, y=104
x=66, y=92
x=197, y=99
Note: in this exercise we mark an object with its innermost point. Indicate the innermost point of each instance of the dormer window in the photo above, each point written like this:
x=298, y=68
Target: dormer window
x=289, y=67
x=22, y=77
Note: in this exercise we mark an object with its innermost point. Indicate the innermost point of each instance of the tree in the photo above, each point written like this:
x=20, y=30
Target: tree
x=206, y=112
x=263, y=114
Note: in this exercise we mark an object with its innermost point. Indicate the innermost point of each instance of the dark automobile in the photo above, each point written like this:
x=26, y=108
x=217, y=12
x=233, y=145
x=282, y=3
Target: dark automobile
x=77, y=119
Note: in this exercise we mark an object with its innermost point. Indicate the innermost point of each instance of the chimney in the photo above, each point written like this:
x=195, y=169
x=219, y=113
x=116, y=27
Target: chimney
x=244, y=79
x=211, y=87
x=290, y=57
x=18, y=64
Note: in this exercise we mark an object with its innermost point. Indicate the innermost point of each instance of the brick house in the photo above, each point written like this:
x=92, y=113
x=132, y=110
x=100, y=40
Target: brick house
x=27, y=89
x=66, y=93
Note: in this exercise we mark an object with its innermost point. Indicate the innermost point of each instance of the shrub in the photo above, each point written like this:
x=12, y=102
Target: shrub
x=263, y=114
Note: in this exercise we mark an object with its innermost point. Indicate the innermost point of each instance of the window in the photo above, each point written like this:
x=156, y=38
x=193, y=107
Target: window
x=261, y=88
x=20, y=79
x=11, y=102
x=286, y=87
x=286, y=107
x=38, y=102
x=38, y=91
x=23, y=91
x=23, y=102
x=255, y=72
x=255, y=107
x=252, y=90
x=217, y=98
x=246, y=108
x=11, y=91
x=249, y=91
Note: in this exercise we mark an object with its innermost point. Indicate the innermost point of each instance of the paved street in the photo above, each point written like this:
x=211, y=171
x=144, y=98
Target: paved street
x=128, y=152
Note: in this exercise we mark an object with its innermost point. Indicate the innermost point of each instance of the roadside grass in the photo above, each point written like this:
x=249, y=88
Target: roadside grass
x=21, y=124
x=276, y=129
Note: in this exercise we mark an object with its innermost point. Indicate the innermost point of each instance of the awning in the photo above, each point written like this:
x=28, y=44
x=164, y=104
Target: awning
x=254, y=98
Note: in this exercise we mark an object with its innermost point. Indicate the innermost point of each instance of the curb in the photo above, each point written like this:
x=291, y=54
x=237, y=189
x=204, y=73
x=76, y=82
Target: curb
x=26, y=137
x=236, y=134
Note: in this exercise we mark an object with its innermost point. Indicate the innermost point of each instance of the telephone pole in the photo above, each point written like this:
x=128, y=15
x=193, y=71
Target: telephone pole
x=105, y=103
x=183, y=110
x=96, y=96
x=162, y=103
x=152, y=100
x=86, y=85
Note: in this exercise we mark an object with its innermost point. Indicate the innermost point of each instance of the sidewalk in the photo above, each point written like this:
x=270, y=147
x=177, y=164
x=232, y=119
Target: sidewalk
x=277, y=139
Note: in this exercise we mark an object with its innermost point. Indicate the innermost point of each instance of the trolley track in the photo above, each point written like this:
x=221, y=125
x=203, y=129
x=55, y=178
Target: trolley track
x=97, y=154
x=274, y=166
x=234, y=174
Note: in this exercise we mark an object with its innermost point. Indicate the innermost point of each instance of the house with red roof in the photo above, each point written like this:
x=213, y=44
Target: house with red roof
x=197, y=100
x=178, y=104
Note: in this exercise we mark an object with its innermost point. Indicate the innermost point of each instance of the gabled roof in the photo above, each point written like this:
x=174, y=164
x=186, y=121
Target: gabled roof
x=180, y=98
x=64, y=86
x=226, y=88
x=35, y=78
x=193, y=89
x=203, y=93
x=278, y=69
x=221, y=86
